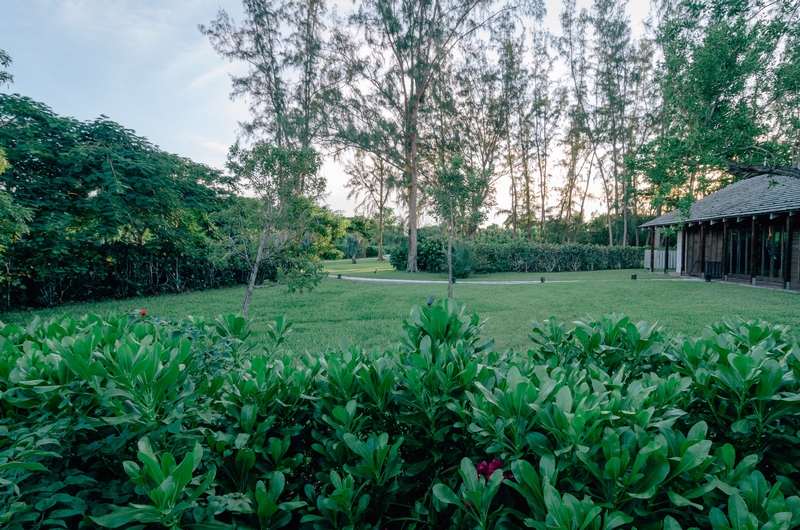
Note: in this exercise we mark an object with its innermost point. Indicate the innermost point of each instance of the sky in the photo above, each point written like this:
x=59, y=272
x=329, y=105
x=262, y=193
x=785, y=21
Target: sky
x=145, y=65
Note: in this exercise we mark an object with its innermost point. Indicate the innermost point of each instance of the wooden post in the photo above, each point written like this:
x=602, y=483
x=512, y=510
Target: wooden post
x=652, y=248
x=753, y=239
x=724, y=271
x=684, y=258
x=787, y=259
x=702, y=249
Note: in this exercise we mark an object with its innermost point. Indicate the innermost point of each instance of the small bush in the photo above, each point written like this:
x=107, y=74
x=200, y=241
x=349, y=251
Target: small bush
x=353, y=246
x=398, y=258
x=463, y=260
x=430, y=255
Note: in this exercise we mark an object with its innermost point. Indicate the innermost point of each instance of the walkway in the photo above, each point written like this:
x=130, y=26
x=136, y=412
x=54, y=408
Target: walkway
x=499, y=282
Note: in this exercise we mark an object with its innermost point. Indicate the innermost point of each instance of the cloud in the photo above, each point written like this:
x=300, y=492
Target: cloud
x=210, y=77
x=218, y=147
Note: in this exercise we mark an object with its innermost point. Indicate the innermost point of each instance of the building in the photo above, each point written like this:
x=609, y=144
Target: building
x=748, y=230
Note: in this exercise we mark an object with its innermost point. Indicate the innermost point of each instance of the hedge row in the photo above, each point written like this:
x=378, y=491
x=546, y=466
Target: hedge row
x=478, y=257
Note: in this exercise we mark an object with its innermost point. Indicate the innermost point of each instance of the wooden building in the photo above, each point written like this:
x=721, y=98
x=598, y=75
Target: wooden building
x=748, y=230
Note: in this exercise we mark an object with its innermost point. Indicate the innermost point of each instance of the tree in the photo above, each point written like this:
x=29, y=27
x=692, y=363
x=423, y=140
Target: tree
x=511, y=49
x=547, y=98
x=449, y=195
x=287, y=182
x=375, y=180
x=454, y=202
x=5, y=62
x=577, y=158
x=286, y=86
x=13, y=225
x=109, y=211
x=353, y=245
x=607, y=73
x=728, y=94
x=395, y=49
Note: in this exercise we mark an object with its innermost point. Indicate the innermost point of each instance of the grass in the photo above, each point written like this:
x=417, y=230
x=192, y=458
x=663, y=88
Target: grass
x=371, y=314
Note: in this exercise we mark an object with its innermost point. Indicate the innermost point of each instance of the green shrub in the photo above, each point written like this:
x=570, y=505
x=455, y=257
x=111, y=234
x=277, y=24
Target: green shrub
x=463, y=260
x=398, y=257
x=430, y=254
x=518, y=256
x=136, y=421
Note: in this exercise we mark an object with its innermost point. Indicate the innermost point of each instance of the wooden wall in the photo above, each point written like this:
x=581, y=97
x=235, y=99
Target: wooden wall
x=714, y=241
x=713, y=236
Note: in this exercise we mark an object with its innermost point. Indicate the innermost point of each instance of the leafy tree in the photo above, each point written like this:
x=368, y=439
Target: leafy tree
x=353, y=246
x=511, y=50
x=547, y=98
x=374, y=180
x=13, y=225
x=454, y=203
x=394, y=51
x=286, y=85
x=107, y=208
x=5, y=62
x=728, y=93
x=287, y=182
x=608, y=78
x=478, y=127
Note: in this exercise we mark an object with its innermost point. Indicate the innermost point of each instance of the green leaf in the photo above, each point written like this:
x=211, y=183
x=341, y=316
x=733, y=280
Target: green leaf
x=28, y=466
x=737, y=511
x=445, y=494
x=680, y=501
x=671, y=524
x=693, y=457
x=123, y=516
x=564, y=399
x=616, y=519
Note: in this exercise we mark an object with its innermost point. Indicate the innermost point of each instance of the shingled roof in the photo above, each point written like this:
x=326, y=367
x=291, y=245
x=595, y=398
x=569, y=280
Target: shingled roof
x=754, y=196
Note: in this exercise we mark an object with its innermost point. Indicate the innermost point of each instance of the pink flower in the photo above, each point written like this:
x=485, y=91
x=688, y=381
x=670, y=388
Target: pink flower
x=485, y=470
x=494, y=466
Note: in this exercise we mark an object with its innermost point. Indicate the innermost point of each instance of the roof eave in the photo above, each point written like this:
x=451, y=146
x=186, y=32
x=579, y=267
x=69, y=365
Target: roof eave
x=655, y=223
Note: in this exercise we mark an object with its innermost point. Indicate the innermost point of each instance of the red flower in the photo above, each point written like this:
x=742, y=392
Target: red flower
x=143, y=313
x=485, y=470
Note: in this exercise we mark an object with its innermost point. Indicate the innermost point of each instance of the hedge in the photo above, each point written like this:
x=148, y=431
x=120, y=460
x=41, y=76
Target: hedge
x=520, y=257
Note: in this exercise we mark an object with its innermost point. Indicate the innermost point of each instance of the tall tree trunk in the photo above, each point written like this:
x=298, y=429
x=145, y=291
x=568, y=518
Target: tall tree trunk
x=608, y=210
x=380, y=229
x=527, y=176
x=450, y=258
x=511, y=174
x=543, y=220
x=543, y=193
x=583, y=203
x=412, y=200
x=624, y=215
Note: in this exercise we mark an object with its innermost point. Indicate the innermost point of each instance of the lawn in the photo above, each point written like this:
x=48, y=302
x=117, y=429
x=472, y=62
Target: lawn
x=371, y=314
